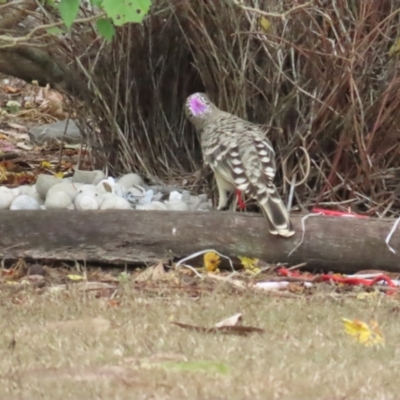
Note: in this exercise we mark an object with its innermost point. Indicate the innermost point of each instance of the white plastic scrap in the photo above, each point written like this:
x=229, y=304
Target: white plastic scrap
x=271, y=285
x=139, y=197
x=396, y=282
x=303, y=226
x=389, y=236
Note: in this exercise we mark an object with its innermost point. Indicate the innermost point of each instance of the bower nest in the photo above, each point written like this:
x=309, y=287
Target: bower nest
x=321, y=76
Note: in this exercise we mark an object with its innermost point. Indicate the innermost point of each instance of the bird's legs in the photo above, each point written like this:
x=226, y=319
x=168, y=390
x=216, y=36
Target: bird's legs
x=223, y=188
x=234, y=202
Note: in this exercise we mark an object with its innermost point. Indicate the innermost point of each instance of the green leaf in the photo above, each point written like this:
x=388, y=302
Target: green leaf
x=54, y=31
x=123, y=11
x=69, y=10
x=105, y=28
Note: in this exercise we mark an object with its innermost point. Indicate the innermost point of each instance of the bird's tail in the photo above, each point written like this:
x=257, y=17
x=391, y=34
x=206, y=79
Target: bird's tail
x=276, y=213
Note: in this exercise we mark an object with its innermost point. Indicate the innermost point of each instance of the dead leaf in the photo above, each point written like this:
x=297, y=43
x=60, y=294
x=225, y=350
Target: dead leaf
x=231, y=321
x=229, y=330
x=158, y=271
x=231, y=325
x=107, y=277
x=18, y=136
x=234, y=282
x=295, y=287
x=91, y=286
x=51, y=102
x=11, y=89
x=18, y=127
x=24, y=146
x=113, y=303
x=153, y=273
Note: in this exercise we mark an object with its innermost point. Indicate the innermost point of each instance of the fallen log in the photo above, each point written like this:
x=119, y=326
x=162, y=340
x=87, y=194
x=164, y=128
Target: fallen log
x=330, y=243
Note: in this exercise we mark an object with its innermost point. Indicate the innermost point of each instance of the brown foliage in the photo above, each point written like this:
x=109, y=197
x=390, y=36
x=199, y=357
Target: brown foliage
x=319, y=78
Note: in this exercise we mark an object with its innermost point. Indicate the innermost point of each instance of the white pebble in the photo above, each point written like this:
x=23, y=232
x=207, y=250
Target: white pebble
x=154, y=205
x=57, y=200
x=6, y=197
x=114, y=202
x=69, y=188
x=87, y=188
x=129, y=180
x=177, y=205
x=44, y=183
x=90, y=177
x=24, y=202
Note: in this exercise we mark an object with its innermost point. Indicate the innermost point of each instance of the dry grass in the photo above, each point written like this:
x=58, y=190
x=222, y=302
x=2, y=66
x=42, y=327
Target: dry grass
x=304, y=353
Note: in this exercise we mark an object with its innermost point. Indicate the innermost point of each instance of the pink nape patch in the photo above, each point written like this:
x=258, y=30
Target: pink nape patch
x=197, y=106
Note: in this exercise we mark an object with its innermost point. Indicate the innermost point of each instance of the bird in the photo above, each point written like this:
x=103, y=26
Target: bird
x=241, y=158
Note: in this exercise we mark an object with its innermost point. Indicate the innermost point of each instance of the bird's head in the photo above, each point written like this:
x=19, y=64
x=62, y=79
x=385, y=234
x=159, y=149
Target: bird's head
x=199, y=109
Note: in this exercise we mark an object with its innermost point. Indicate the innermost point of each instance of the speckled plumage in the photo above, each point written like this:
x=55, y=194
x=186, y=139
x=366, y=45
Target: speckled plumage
x=241, y=157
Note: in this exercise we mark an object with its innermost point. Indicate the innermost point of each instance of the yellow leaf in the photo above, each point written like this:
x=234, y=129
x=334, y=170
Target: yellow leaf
x=75, y=277
x=45, y=165
x=368, y=335
x=367, y=295
x=250, y=264
x=211, y=261
x=265, y=24
x=395, y=48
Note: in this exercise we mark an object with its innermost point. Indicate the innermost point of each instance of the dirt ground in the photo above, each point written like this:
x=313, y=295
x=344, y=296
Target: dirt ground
x=125, y=346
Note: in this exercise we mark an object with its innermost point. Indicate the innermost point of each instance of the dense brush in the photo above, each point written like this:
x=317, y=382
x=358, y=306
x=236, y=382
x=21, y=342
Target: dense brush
x=318, y=76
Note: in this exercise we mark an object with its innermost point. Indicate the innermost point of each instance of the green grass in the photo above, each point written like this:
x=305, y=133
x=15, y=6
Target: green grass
x=303, y=354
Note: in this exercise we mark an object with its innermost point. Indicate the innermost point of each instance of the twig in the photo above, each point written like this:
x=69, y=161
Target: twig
x=273, y=15
x=15, y=40
x=62, y=140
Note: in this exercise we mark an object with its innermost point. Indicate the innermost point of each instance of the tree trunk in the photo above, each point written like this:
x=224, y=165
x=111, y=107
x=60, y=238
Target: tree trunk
x=30, y=64
x=330, y=243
